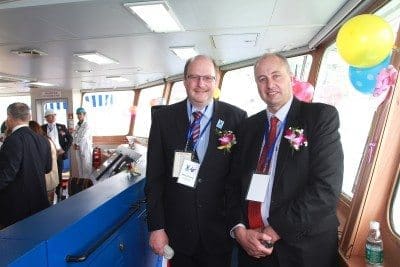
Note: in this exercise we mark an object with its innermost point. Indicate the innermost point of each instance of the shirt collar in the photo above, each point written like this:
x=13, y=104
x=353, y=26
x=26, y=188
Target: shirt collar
x=282, y=112
x=207, y=110
x=19, y=126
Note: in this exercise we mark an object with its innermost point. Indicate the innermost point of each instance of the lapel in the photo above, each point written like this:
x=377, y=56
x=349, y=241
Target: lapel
x=259, y=126
x=181, y=122
x=212, y=140
x=292, y=119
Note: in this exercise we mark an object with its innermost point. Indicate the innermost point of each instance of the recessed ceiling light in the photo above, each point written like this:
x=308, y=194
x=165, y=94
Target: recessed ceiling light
x=117, y=79
x=157, y=15
x=96, y=58
x=41, y=84
x=184, y=52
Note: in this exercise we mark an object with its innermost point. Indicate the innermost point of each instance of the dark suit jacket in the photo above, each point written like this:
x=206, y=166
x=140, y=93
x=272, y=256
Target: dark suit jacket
x=25, y=157
x=64, y=137
x=189, y=215
x=307, y=182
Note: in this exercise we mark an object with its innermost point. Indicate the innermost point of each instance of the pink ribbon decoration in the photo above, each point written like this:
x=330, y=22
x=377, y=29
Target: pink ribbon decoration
x=386, y=78
x=304, y=91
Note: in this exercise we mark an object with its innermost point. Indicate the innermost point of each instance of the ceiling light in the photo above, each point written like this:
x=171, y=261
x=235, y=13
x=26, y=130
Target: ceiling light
x=117, y=79
x=41, y=84
x=96, y=58
x=157, y=15
x=184, y=52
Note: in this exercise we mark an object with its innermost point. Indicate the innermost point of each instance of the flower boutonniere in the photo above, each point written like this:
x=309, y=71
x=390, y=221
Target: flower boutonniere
x=226, y=139
x=296, y=138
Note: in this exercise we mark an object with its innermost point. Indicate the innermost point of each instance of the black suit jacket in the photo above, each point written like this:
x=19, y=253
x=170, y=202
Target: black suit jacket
x=25, y=157
x=189, y=214
x=64, y=137
x=307, y=182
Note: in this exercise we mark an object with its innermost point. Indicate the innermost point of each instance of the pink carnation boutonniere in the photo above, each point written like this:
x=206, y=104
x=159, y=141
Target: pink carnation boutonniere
x=296, y=138
x=226, y=140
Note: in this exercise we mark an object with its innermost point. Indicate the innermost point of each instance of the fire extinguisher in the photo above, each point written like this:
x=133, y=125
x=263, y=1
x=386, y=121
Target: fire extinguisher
x=96, y=161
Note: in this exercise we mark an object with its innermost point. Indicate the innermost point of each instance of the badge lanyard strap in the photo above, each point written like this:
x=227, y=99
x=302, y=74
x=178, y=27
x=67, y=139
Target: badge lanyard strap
x=190, y=130
x=272, y=146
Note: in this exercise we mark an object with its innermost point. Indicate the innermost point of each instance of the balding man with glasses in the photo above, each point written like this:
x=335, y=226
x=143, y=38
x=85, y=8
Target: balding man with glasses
x=189, y=157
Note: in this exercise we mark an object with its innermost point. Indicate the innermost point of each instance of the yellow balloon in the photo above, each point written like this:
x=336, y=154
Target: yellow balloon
x=217, y=93
x=365, y=40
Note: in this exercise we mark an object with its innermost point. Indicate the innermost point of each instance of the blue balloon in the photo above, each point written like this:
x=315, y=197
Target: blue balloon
x=364, y=79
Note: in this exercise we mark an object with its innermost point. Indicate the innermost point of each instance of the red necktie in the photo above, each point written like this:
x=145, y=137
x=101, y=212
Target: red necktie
x=254, y=207
x=196, y=126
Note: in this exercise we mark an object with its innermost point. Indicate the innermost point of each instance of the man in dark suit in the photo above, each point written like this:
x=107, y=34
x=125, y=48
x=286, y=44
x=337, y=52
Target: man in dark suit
x=61, y=137
x=25, y=157
x=288, y=171
x=187, y=211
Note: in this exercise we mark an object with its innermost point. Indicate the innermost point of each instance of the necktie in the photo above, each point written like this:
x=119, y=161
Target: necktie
x=196, y=126
x=254, y=207
x=51, y=127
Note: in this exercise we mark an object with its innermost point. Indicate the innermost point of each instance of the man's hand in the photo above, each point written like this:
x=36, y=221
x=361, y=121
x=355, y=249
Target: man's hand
x=250, y=240
x=158, y=240
x=271, y=232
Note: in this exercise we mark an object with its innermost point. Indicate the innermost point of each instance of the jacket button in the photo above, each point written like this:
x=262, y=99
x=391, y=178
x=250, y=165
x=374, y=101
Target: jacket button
x=199, y=205
x=199, y=180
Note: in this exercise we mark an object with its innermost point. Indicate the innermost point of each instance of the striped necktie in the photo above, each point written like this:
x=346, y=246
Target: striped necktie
x=196, y=126
x=263, y=165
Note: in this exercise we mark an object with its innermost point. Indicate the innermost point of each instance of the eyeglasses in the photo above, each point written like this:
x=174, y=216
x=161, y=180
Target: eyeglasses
x=197, y=78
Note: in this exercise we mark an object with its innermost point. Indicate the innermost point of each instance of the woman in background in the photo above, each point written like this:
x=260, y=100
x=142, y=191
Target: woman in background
x=83, y=145
x=52, y=176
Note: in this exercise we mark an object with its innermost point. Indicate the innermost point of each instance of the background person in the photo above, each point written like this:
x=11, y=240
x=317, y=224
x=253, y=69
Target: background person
x=191, y=219
x=24, y=159
x=82, y=145
x=294, y=184
x=61, y=138
x=51, y=177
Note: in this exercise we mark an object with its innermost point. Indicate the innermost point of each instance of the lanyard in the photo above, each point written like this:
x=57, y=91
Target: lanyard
x=272, y=146
x=190, y=130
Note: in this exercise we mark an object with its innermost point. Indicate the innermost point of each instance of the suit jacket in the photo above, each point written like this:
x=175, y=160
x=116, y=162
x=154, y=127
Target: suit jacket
x=189, y=214
x=64, y=137
x=25, y=157
x=307, y=182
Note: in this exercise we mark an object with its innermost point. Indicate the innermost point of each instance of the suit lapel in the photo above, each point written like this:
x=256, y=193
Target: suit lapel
x=181, y=121
x=212, y=139
x=259, y=130
x=292, y=119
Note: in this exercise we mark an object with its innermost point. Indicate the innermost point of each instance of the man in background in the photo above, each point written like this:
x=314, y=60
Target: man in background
x=24, y=159
x=59, y=134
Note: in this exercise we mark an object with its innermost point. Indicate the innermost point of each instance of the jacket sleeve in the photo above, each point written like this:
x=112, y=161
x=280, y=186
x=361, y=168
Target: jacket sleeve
x=155, y=176
x=10, y=161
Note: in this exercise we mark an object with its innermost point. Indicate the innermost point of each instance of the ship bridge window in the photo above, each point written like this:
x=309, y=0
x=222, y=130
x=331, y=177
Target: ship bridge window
x=5, y=101
x=110, y=111
x=143, y=111
x=178, y=93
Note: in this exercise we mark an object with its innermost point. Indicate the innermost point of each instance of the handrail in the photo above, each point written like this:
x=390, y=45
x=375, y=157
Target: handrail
x=80, y=258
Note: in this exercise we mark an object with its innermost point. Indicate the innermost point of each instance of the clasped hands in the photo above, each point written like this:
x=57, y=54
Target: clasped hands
x=256, y=241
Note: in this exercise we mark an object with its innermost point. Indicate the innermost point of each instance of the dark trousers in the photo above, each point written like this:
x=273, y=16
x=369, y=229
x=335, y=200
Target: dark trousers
x=201, y=258
x=60, y=166
x=312, y=251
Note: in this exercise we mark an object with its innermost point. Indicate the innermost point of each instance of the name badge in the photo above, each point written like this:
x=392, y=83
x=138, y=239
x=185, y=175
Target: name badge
x=179, y=158
x=188, y=173
x=258, y=187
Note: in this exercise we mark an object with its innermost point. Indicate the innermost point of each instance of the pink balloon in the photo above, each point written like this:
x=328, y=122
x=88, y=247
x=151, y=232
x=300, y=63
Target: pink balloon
x=304, y=91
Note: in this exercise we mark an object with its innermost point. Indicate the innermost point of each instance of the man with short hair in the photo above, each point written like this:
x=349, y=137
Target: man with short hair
x=288, y=171
x=61, y=137
x=188, y=161
x=25, y=157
